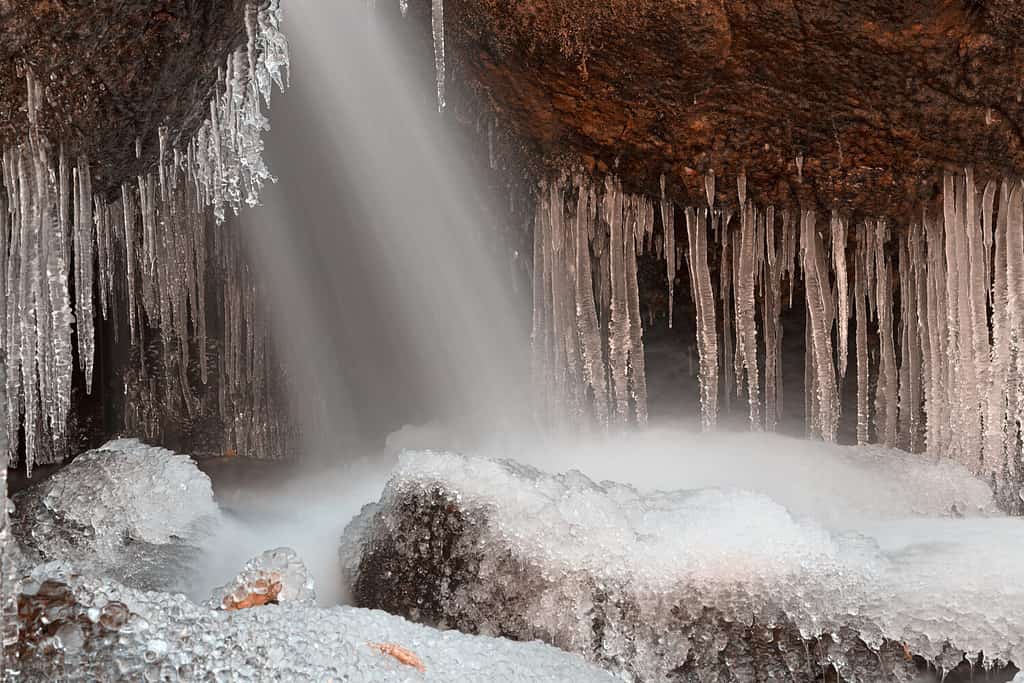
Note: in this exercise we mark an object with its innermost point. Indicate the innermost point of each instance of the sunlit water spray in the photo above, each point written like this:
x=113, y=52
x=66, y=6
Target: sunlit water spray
x=390, y=301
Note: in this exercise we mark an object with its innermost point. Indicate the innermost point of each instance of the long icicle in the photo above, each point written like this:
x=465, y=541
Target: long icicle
x=668, y=223
x=744, y=295
x=819, y=326
x=704, y=298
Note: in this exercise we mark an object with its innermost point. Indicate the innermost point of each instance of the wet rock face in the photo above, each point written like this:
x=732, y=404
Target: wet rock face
x=876, y=96
x=114, y=71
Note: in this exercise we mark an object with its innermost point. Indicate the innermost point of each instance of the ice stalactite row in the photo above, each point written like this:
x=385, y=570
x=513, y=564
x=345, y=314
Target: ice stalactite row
x=141, y=253
x=588, y=356
x=935, y=310
x=972, y=353
x=36, y=309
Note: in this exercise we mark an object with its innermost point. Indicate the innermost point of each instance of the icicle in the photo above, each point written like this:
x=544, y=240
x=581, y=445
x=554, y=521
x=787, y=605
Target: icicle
x=586, y=312
x=771, y=314
x=437, y=24
x=744, y=296
x=886, y=403
x=84, y=245
x=540, y=339
x=128, y=212
x=838, y=228
x=938, y=426
x=725, y=288
x=737, y=287
x=976, y=273
x=637, y=363
x=618, y=330
x=1015, y=317
x=825, y=417
x=704, y=298
x=668, y=222
x=709, y=189
x=999, y=430
x=987, y=206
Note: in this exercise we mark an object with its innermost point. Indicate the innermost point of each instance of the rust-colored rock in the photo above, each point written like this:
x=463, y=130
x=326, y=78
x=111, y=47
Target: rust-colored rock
x=114, y=71
x=877, y=96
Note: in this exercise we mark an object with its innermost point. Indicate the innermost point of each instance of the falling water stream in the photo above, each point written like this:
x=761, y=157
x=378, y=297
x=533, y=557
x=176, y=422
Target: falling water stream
x=390, y=298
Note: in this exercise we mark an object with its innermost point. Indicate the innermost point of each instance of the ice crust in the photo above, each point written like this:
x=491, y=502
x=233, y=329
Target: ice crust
x=103, y=631
x=117, y=510
x=545, y=550
x=282, y=566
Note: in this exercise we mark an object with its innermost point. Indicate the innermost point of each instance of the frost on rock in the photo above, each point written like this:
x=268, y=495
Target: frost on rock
x=124, y=510
x=275, y=576
x=83, y=629
x=692, y=582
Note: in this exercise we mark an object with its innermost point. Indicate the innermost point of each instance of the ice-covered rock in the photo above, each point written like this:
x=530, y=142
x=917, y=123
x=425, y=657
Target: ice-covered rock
x=82, y=629
x=126, y=510
x=713, y=583
x=274, y=577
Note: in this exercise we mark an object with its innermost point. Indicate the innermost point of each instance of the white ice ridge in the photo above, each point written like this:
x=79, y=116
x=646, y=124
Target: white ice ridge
x=925, y=581
x=150, y=241
x=942, y=371
x=112, y=629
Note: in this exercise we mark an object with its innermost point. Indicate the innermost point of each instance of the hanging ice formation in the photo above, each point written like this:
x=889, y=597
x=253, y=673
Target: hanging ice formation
x=938, y=328
x=144, y=250
x=704, y=298
x=437, y=28
x=588, y=354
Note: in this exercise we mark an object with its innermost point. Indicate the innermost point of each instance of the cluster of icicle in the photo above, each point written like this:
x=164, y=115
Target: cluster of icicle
x=141, y=253
x=936, y=311
x=588, y=352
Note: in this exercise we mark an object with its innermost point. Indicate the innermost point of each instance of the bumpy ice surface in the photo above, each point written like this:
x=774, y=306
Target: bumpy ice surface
x=125, y=509
x=281, y=565
x=117, y=633
x=920, y=569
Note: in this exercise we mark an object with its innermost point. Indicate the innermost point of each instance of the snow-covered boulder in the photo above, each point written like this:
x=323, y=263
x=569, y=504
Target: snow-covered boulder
x=83, y=629
x=274, y=577
x=714, y=583
x=125, y=510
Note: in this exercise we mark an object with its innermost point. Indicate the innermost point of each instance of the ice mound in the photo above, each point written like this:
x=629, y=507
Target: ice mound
x=125, y=509
x=662, y=585
x=276, y=576
x=82, y=629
